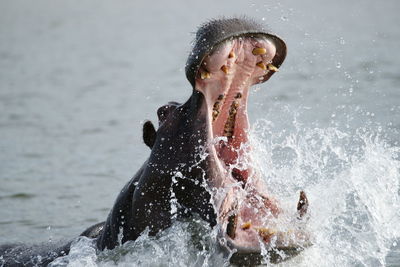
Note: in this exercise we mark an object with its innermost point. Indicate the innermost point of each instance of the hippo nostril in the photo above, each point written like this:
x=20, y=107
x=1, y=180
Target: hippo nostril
x=231, y=227
x=261, y=65
x=259, y=51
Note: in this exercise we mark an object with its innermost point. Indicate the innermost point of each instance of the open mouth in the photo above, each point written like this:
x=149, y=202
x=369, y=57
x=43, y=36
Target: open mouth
x=246, y=214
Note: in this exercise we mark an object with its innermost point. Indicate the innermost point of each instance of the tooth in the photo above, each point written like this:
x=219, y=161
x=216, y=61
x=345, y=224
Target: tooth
x=216, y=105
x=205, y=75
x=261, y=65
x=246, y=225
x=272, y=67
x=225, y=69
x=259, y=51
x=265, y=233
x=231, y=54
x=228, y=134
x=239, y=95
x=215, y=115
x=228, y=127
x=220, y=97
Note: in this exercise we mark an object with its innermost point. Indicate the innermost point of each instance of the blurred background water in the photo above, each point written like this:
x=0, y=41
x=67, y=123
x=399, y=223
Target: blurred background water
x=77, y=79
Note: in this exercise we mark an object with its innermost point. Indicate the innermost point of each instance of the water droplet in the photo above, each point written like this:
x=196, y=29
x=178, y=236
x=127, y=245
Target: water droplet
x=338, y=65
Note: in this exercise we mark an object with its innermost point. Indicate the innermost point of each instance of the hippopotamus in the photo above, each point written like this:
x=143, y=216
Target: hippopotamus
x=201, y=157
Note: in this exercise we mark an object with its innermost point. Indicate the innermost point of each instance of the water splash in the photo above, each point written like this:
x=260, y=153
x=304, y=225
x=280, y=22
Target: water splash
x=352, y=181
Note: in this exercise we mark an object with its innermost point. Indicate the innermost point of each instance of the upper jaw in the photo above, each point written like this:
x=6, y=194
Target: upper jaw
x=216, y=31
x=224, y=78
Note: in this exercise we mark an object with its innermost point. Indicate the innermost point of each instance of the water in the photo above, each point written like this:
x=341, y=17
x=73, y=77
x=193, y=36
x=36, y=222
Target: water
x=77, y=78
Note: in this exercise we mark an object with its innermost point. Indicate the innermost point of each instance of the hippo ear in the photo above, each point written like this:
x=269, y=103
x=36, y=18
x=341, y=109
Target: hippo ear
x=149, y=134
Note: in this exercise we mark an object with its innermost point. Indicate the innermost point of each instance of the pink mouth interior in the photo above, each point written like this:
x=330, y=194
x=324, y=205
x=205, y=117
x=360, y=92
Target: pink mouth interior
x=224, y=79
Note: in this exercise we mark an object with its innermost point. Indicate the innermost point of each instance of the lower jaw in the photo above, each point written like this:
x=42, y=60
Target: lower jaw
x=258, y=253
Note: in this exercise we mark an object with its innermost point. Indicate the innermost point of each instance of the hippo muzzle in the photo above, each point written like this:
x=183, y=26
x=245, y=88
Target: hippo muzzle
x=229, y=56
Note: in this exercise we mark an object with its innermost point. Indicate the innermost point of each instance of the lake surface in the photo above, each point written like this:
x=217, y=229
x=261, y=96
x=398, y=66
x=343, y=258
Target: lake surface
x=78, y=78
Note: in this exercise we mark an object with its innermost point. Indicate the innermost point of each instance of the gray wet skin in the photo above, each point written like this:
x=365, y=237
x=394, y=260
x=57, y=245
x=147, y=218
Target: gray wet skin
x=221, y=68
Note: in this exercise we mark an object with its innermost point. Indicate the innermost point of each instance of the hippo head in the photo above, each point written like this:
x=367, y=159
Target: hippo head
x=207, y=143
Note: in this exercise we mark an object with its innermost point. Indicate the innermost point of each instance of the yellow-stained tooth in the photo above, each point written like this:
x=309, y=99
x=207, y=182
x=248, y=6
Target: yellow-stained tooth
x=261, y=65
x=272, y=67
x=259, y=51
x=266, y=234
x=264, y=230
x=205, y=75
x=225, y=69
x=246, y=225
x=231, y=54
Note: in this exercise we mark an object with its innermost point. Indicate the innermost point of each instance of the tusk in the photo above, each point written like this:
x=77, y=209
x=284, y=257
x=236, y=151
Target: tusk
x=272, y=68
x=261, y=65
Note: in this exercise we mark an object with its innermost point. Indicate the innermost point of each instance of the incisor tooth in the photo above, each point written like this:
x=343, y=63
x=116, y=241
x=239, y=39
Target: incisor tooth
x=259, y=51
x=225, y=69
x=231, y=54
x=272, y=67
x=261, y=65
x=205, y=75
